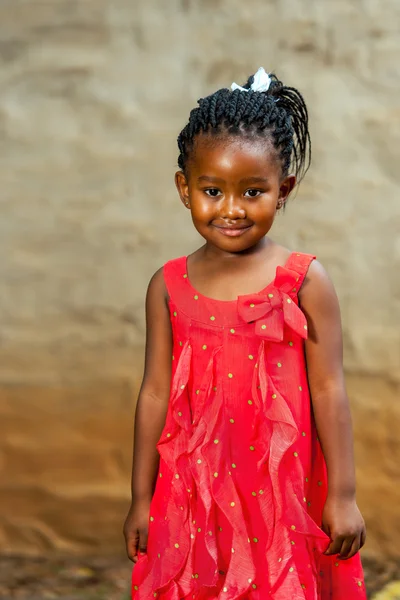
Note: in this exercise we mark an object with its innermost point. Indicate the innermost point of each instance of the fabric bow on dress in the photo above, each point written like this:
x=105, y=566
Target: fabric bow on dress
x=274, y=308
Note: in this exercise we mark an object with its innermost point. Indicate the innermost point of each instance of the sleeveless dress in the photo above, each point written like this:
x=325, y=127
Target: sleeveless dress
x=237, y=506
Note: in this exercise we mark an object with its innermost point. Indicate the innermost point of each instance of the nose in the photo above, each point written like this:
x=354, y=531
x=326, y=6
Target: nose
x=232, y=208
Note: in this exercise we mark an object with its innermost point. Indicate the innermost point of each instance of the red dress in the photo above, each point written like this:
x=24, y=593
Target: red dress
x=237, y=507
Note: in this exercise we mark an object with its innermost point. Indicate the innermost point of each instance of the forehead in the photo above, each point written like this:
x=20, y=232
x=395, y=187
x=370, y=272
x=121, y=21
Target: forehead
x=233, y=156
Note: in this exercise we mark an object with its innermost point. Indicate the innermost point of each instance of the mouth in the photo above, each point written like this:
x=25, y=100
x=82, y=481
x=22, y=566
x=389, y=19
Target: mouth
x=232, y=231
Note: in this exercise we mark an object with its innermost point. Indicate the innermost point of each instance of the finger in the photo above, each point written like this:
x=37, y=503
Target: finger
x=143, y=541
x=335, y=546
x=346, y=547
x=363, y=538
x=354, y=547
x=131, y=549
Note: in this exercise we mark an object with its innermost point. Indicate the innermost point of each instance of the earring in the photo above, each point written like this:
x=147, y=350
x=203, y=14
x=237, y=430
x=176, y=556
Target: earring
x=279, y=205
x=186, y=203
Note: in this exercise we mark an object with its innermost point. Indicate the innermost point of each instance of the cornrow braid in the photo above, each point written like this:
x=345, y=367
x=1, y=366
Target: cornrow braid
x=280, y=113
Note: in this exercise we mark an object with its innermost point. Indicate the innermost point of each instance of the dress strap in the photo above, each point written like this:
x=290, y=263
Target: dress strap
x=175, y=276
x=300, y=263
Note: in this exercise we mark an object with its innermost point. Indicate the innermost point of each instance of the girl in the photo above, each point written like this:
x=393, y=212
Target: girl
x=243, y=476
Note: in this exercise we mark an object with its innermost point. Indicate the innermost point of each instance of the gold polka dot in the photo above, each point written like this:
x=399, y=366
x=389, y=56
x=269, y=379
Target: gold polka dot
x=151, y=518
x=216, y=441
x=135, y=587
x=292, y=542
x=252, y=448
x=199, y=529
x=336, y=564
x=254, y=493
x=168, y=435
x=215, y=474
x=232, y=550
x=306, y=479
x=303, y=586
x=304, y=499
x=253, y=585
x=160, y=474
x=175, y=314
x=279, y=560
x=255, y=540
x=155, y=594
x=305, y=327
x=290, y=343
x=359, y=583
x=210, y=533
x=181, y=343
x=233, y=466
x=295, y=454
x=212, y=318
x=197, y=392
x=176, y=476
x=293, y=527
x=182, y=387
x=263, y=327
x=231, y=420
x=300, y=388
x=291, y=569
x=225, y=589
x=185, y=276
x=232, y=331
x=196, y=575
x=251, y=305
x=176, y=545
x=251, y=356
x=229, y=473
x=261, y=491
x=220, y=528
x=173, y=357
x=159, y=555
x=249, y=402
x=303, y=434
x=270, y=295
x=204, y=347
x=196, y=297
x=179, y=414
x=199, y=461
x=319, y=483
x=274, y=396
x=215, y=389
x=232, y=504
x=279, y=365
x=249, y=580
x=289, y=301
x=230, y=375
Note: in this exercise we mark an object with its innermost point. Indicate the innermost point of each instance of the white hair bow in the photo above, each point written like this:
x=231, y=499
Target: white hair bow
x=261, y=82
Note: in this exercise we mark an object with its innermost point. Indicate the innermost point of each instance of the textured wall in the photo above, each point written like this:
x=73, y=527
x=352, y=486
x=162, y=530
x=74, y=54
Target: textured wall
x=92, y=96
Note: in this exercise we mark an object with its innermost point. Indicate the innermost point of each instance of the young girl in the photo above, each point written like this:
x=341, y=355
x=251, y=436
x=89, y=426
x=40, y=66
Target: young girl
x=243, y=476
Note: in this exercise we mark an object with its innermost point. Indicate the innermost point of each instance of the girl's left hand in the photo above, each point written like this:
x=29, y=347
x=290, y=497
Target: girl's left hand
x=342, y=521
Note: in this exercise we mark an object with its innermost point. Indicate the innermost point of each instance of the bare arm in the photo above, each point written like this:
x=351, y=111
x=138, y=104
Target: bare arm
x=151, y=410
x=324, y=355
x=153, y=398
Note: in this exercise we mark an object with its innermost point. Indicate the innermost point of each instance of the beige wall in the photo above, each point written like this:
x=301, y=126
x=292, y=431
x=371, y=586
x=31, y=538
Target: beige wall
x=92, y=96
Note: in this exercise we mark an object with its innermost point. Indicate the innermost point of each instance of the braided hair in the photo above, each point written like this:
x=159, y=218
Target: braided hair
x=279, y=114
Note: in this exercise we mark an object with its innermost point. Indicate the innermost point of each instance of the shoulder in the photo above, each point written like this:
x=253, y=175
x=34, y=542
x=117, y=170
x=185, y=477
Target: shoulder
x=317, y=290
x=157, y=287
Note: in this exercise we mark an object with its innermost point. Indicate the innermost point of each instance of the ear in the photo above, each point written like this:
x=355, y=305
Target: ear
x=183, y=188
x=286, y=186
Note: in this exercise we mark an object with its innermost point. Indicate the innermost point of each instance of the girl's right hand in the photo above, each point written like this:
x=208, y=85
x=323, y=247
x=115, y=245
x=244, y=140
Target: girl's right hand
x=136, y=529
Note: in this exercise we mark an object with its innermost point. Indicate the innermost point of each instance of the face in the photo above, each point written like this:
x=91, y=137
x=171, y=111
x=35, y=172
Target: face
x=233, y=190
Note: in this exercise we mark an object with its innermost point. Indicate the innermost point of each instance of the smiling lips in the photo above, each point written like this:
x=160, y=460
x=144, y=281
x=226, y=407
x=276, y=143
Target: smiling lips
x=232, y=230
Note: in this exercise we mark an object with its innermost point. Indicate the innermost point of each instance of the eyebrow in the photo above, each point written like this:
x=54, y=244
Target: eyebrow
x=245, y=180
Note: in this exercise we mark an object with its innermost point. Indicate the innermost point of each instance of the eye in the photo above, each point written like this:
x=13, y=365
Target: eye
x=253, y=193
x=213, y=192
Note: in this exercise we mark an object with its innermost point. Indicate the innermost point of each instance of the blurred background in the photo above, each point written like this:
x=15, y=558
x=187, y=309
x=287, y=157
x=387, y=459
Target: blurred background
x=93, y=94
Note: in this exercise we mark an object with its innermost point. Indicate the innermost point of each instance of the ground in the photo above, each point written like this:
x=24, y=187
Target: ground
x=107, y=578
